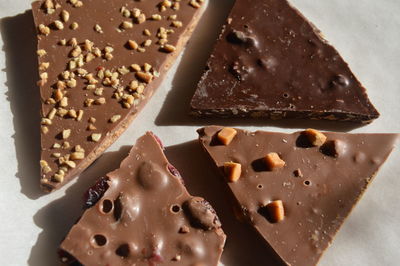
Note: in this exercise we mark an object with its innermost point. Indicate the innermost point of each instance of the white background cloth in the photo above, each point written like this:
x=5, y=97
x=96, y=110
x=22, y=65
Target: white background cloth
x=366, y=32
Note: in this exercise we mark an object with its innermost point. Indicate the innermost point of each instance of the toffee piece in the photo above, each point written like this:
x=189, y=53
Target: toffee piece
x=142, y=214
x=299, y=206
x=100, y=61
x=269, y=61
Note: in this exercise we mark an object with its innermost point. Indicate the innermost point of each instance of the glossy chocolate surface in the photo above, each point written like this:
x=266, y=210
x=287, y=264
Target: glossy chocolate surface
x=146, y=217
x=269, y=61
x=85, y=63
x=318, y=186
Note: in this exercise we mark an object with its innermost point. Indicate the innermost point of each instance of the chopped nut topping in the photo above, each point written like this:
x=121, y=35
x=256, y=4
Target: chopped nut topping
x=226, y=135
x=74, y=26
x=100, y=101
x=44, y=129
x=156, y=17
x=66, y=133
x=44, y=29
x=126, y=25
x=46, y=121
x=56, y=146
x=91, y=127
x=59, y=178
x=176, y=6
x=78, y=155
x=140, y=19
x=133, y=45
x=146, y=32
x=71, y=164
x=64, y=15
x=95, y=137
x=177, y=24
x=44, y=66
x=98, y=28
x=52, y=113
x=273, y=161
x=168, y=48
x=143, y=76
x=92, y=120
x=76, y=51
x=233, y=170
x=56, y=155
x=315, y=137
x=64, y=102
x=115, y=118
x=136, y=67
x=184, y=229
x=41, y=52
x=195, y=3
x=276, y=211
x=147, y=43
x=58, y=24
x=72, y=113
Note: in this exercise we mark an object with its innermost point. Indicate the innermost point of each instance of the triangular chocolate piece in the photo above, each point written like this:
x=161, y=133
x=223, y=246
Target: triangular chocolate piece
x=296, y=189
x=269, y=61
x=141, y=214
x=99, y=63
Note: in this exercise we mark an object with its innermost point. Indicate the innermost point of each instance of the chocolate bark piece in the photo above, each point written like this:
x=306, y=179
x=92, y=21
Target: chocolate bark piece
x=145, y=216
x=269, y=61
x=299, y=207
x=100, y=61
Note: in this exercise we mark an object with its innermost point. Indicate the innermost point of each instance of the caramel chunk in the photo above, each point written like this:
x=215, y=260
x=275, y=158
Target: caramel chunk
x=233, y=171
x=276, y=211
x=315, y=137
x=273, y=161
x=226, y=135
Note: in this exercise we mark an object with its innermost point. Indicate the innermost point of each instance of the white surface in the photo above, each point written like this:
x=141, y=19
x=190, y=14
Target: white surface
x=364, y=31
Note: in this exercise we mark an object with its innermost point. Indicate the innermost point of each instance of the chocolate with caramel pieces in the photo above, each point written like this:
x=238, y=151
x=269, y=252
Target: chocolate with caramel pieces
x=299, y=208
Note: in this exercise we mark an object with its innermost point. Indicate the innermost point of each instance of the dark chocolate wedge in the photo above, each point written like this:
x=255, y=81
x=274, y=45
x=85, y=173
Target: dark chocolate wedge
x=296, y=189
x=100, y=61
x=269, y=61
x=142, y=214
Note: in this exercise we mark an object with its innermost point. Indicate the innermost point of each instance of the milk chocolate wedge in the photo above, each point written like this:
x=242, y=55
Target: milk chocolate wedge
x=100, y=61
x=269, y=61
x=297, y=189
x=141, y=214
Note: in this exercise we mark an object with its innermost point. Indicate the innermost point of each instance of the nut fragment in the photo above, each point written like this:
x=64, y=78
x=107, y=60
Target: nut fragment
x=65, y=15
x=233, y=170
x=226, y=135
x=315, y=137
x=273, y=161
x=143, y=76
x=95, y=137
x=168, y=48
x=132, y=45
x=115, y=118
x=44, y=29
x=66, y=133
x=58, y=25
x=74, y=26
x=276, y=211
x=78, y=155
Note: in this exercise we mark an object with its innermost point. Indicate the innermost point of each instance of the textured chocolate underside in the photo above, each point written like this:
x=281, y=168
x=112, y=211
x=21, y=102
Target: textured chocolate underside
x=145, y=217
x=88, y=84
x=269, y=61
x=318, y=186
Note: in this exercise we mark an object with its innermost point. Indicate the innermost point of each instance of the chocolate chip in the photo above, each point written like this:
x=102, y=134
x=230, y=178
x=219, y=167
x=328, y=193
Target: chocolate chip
x=201, y=214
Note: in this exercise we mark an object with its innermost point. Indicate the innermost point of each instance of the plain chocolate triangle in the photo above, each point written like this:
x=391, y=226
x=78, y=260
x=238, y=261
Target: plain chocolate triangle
x=142, y=214
x=99, y=63
x=295, y=194
x=269, y=61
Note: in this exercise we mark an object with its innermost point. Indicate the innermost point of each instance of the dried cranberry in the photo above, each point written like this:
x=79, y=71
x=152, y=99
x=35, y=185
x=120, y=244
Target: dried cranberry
x=94, y=193
x=175, y=173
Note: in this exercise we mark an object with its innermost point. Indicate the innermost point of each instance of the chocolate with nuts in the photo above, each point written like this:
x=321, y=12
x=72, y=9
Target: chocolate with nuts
x=100, y=61
x=141, y=214
x=269, y=61
x=298, y=205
